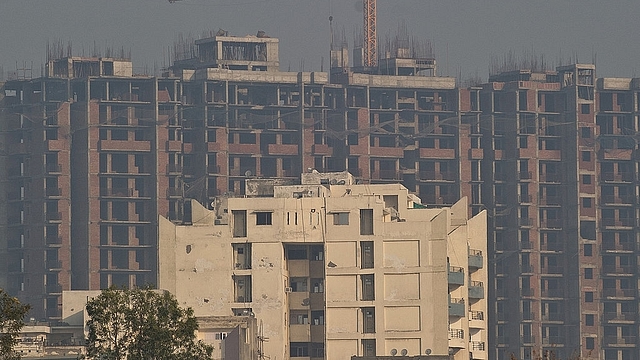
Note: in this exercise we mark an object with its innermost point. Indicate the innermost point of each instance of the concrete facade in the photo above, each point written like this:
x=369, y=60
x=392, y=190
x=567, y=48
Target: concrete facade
x=333, y=269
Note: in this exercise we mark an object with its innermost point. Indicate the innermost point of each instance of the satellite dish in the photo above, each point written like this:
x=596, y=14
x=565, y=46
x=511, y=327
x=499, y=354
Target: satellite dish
x=341, y=182
x=247, y=173
x=428, y=351
x=404, y=352
x=333, y=181
x=394, y=352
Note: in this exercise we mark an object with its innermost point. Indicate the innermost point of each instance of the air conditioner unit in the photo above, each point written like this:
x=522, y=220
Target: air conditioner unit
x=288, y=289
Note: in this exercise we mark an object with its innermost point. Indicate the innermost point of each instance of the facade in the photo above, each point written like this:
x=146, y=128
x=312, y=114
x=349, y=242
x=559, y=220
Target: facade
x=333, y=269
x=554, y=163
x=551, y=155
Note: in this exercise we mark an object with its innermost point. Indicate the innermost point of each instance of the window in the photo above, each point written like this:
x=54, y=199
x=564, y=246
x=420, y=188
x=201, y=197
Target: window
x=366, y=248
x=369, y=347
x=586, y=179
x=366, y=221
x=299, y=349
x=263, y=218
x=368, y=287
x=588, y=296
x=368, y=320
x=242, y=288
x=588, y=250
x=589, y=320
x=341, y=218
x=585, y=109
x=221, y=336
x=588, y=273
x=587, y=203
x=586, y=156
x=296, y=252
x=590, y=343
x=585, y=132
x=297, y=317
x=239, y=223
x=298, y=284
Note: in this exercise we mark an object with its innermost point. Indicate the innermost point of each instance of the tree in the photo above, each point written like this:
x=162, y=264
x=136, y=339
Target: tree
x=12, y=314
x=136, y=324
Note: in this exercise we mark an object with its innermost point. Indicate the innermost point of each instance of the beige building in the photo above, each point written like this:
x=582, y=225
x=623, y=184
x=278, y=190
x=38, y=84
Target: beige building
x=333, y=269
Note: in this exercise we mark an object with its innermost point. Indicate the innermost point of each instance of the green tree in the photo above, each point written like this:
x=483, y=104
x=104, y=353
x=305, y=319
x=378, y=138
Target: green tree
x=12, y=314
x=137, y=324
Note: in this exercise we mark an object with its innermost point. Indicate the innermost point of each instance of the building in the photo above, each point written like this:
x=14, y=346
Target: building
x=554, y=161
x=331, y=269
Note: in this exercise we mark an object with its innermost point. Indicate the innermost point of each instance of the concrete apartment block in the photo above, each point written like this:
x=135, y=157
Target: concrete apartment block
x=332, y=269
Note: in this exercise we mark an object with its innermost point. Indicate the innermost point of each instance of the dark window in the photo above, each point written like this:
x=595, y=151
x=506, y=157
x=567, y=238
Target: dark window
x=590, y=343
x=368, y=287
x=585, y=132
x=299, y=349
x=263, y=218
x=366, y=221
x=297, y=253
x=585, y=109
x=586, y=156
x=368, y=320
x=588, y=250
x=588, y=296
x=369, y=347
x=366, y=247
x=589, y=319
x=239, y=223
x=586, y=179
x=341, y=218
x=588, y=273
x=587, y=203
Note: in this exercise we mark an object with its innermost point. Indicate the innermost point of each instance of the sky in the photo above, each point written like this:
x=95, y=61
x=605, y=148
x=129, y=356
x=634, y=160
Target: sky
x=467, y=35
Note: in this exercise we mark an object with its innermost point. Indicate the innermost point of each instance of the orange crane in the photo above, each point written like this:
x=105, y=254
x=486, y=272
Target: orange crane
x=370, y=36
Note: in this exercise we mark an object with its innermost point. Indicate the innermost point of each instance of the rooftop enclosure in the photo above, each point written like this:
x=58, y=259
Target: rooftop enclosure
x=253, y=53
x=80, y=67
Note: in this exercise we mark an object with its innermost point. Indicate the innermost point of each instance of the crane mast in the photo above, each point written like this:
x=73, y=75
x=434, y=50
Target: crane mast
x=370, y=36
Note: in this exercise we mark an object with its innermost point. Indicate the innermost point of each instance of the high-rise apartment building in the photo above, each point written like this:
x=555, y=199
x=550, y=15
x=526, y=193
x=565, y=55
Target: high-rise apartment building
x=551, y=155
x=333, y=269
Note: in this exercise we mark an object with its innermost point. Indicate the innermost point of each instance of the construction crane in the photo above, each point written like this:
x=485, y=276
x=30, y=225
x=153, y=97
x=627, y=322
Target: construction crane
x=370, y=35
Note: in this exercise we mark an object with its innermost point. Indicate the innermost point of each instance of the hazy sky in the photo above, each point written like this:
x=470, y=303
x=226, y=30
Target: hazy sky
x=466, y=34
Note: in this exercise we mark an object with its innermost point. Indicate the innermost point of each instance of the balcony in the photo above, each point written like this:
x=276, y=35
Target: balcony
x=53, y=264
x=525, y=221
x=476, y=290
x=54, y=289
x=282, y=149
x=53, y=192
x=618, y=293
x=117, y=192
x=552, y=293
x=553, y=340
x=615, y=317
x=551, y=223
x=456, y=307
x=124, y=145
x=528, y=339
x=322, y=149
x=173, y=192
x=174, y=169
x=213, y=169
x=456, y=338
x=476, y=319
x=617, y=177
x=456, y=275
x=173, y=146
x=550, y=200
x=525, y=199
x=619, y=270
x=53, y=169
x=437, y=176
x=614, y=246
x=53, y=240
x=623, y=222
x=550, y=178
x=525, y=175
x=620, y=341
x=381, y=151
x=552, y=270
x=53, y=216
x=618, y=200
x=385, y=175
x=475, y=259
x=478, y=350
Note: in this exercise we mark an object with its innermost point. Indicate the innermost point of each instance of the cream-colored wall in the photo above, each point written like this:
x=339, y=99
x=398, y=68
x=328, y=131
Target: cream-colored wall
x=410, y=257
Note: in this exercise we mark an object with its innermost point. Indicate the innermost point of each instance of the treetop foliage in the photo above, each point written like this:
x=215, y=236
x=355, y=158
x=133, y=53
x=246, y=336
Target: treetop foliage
x=12, y=314
x=136, y=324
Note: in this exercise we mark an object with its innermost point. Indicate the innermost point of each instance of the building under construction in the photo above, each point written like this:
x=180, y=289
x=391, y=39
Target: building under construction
x=93, y=153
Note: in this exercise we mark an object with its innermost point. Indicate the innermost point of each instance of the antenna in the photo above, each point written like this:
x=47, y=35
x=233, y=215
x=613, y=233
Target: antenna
x=261, y=340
